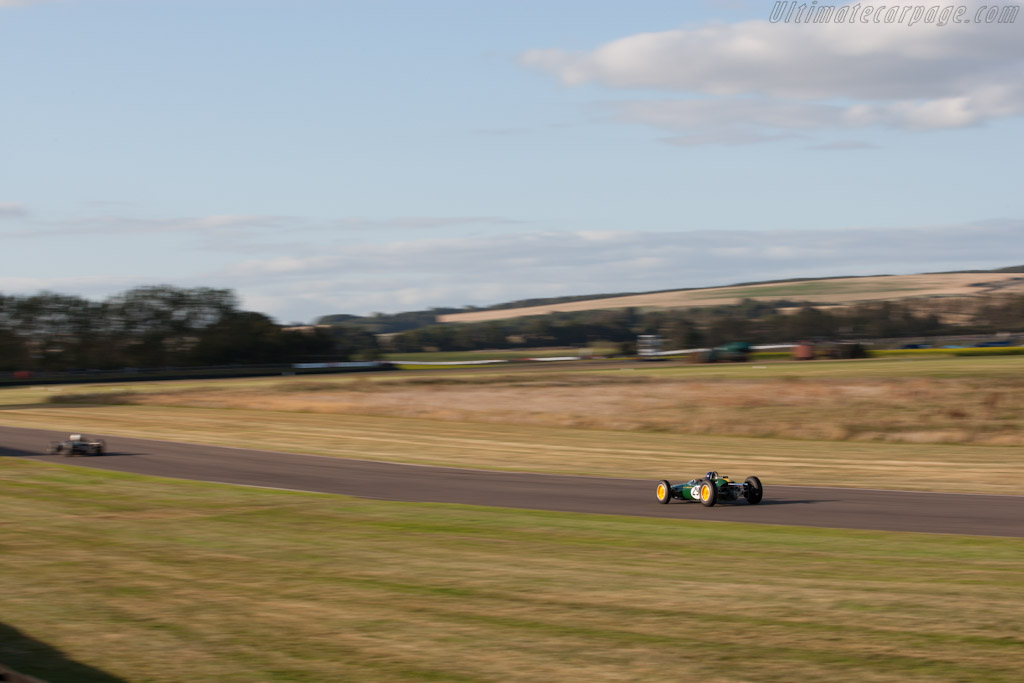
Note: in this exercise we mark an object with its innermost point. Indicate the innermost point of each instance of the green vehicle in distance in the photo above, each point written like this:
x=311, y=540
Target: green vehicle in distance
x=712, y=489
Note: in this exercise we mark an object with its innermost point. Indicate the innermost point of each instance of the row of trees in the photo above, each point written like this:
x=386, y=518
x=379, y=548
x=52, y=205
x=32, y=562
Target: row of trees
x=756, y=322
x=159, y=326
x=163, y=326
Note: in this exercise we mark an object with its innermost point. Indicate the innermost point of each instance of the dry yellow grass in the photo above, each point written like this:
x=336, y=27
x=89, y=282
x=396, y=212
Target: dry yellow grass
x=552, y=450
x=875, y=424
x=902, y=410
x=837, y=290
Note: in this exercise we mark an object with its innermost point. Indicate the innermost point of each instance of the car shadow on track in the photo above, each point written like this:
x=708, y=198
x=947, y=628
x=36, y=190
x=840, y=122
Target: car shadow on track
x=31, y=657
x=742, y=504
x=801, y=501
x=9, y=452
x=104, y=454
x=21, y=453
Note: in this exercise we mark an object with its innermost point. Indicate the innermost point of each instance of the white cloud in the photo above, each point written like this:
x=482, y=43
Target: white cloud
x=12, y=210
x=419, y=222
x=426, y=271
x=84, y=285
x=450, y=272
x=798, y=61
x=741, y=80
x=223, y=227
x=686, y=114
x=126, y=225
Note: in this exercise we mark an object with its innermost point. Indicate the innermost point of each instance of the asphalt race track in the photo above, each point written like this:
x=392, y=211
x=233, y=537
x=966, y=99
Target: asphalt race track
x=786, y=505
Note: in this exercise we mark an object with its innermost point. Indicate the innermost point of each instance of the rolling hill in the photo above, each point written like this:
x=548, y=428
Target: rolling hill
x=826, y=291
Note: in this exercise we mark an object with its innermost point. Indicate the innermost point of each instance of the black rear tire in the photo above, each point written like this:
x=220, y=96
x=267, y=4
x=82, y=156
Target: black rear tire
x=753, y=491
x=664, y=492
x=708, y=493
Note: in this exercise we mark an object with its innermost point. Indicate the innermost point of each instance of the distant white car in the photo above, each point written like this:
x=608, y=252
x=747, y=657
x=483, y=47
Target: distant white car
x=76, y=444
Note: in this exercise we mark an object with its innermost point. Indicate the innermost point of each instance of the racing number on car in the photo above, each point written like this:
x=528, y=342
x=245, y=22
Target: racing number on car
x=695, y=492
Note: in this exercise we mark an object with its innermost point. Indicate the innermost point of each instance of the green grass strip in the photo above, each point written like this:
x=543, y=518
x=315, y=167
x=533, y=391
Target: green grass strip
x=112, y=577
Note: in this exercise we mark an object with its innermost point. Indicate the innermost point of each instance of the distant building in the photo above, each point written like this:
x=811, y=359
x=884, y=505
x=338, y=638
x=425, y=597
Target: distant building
x=648, y=345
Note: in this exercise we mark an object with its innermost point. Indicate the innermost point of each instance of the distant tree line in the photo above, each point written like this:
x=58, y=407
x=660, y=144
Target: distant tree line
x=164, y=327
x=159, y=327
x=757, y=322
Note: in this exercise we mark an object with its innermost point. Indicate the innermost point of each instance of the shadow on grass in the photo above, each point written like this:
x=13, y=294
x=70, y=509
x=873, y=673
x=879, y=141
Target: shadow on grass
x=32, y=657
x=30, y=406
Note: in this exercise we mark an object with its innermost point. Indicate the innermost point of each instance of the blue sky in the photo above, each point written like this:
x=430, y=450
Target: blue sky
x=348, y=156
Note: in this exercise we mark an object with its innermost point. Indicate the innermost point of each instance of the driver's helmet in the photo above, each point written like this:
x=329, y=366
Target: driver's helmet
x=75, y=437
x=711, y=475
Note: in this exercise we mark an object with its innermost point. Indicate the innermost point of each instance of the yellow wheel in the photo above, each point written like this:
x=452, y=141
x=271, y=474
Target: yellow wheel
x=708, y=493
x=664, y=492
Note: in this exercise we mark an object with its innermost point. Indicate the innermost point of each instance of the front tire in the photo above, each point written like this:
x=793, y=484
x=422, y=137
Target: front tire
x=708, y=493
x=753, y=491
x=664, y=492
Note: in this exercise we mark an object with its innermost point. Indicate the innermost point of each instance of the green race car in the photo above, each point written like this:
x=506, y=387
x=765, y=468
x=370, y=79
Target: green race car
x=712, y=489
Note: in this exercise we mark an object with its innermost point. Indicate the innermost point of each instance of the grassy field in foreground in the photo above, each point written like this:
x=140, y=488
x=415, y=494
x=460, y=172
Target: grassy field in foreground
x=143, y=580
